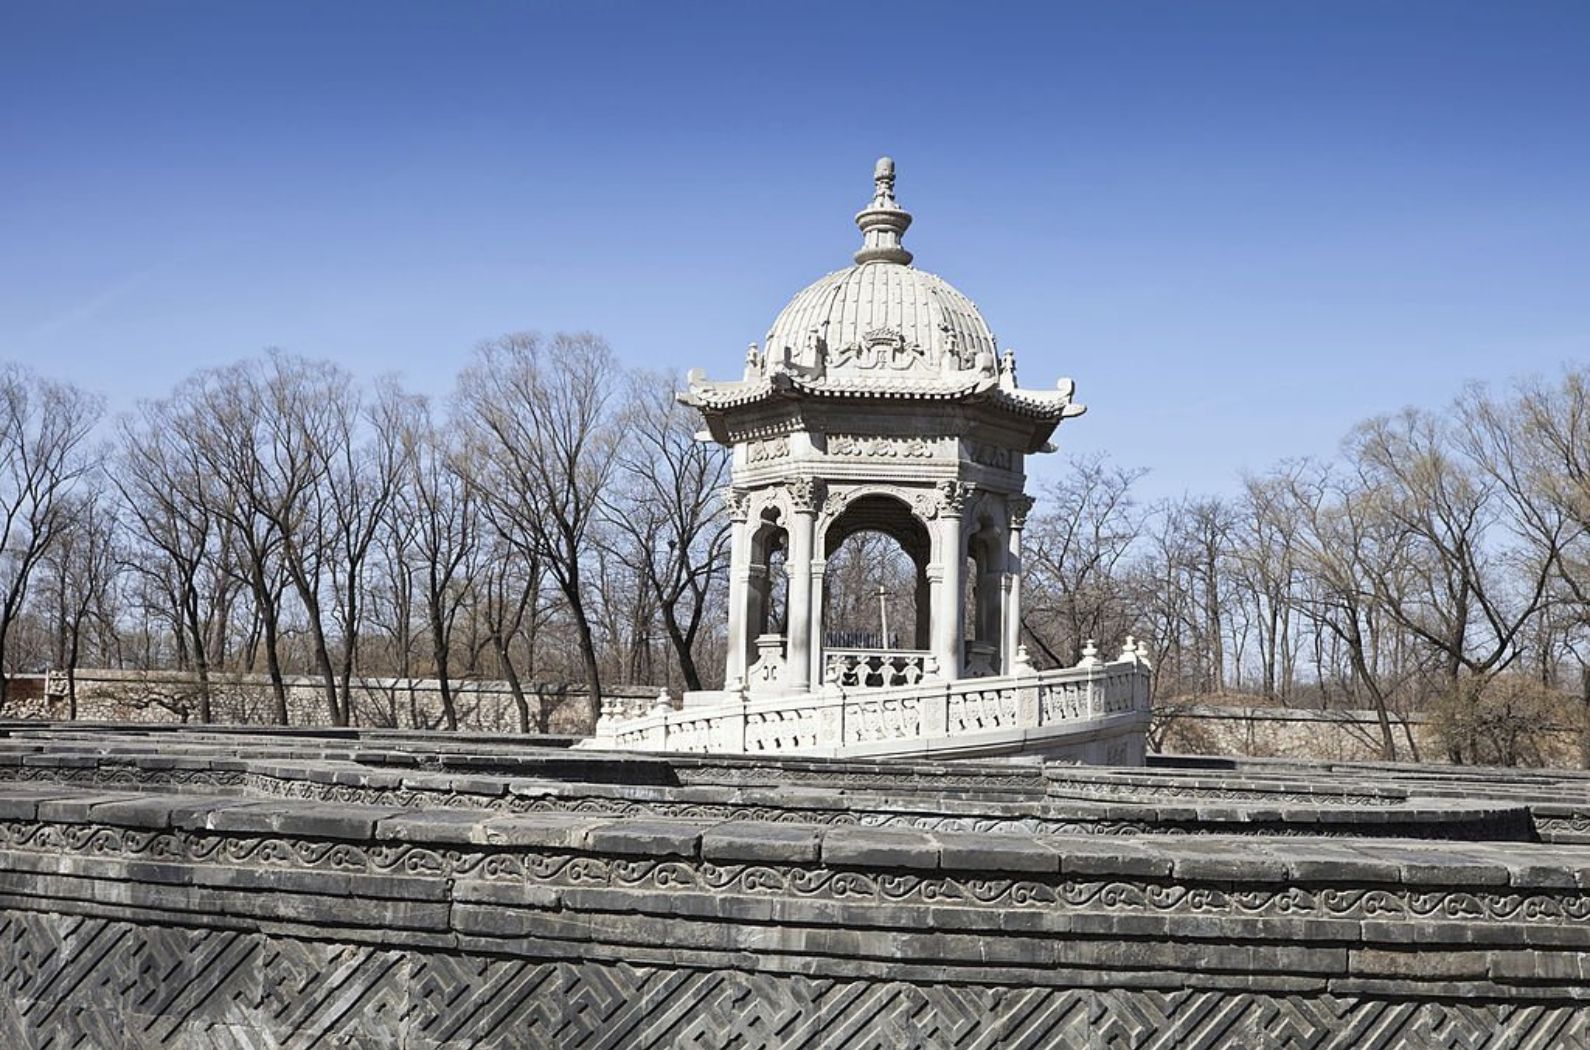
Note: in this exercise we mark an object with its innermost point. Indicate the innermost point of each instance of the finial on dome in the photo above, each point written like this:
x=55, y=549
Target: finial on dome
x=883, y=222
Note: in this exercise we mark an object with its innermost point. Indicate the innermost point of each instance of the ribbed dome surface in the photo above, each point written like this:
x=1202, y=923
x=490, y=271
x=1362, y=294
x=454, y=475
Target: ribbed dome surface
x=842, y=307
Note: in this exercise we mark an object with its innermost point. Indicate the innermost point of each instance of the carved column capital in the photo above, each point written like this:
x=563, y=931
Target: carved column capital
x=737, y=502
x=952, y=496
x=805, y=494
x=1020, y=506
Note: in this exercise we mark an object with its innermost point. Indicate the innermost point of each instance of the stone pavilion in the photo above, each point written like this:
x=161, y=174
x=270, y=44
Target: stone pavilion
x=879, y=401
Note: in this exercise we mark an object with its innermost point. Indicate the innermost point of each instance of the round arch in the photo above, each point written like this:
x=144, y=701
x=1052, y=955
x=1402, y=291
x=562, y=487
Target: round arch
x=899, y=568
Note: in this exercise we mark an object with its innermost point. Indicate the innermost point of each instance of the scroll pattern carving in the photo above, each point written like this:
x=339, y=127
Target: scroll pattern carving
x=882, y=718
x=767, y=450
x=1106, y=894
x=981, y=710
x=879, y=447
x=880, y=348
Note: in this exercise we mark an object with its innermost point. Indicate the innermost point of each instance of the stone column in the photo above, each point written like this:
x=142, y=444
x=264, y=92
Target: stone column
x=1019, y=506
x=948, y=613
x=739, y=643
x=804, y=497
x=819, y=571
x=922, y=630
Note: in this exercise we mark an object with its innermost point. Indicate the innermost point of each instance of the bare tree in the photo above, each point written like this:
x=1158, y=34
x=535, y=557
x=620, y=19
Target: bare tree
x=218, y=421
x=163, y=479
x=1075, y=551
x=546, y=446
x=1340, y=545
x=664, y=513
x=303, y=409
x=440, y=500
x=1454, y=584
x=1535, y=445
x=510, y=590
x=365, y=460
x=44, y=428
x=84, y=567
x=1265, y=570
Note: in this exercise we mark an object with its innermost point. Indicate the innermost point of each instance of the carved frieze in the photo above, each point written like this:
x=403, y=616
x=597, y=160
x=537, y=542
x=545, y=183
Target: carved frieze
x=996, y=456
x=767, y=450
x=861, y=446
x=880, y=348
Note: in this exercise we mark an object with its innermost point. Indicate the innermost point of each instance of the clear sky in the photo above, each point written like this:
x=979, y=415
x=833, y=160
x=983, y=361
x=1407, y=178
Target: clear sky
x=1240, y=227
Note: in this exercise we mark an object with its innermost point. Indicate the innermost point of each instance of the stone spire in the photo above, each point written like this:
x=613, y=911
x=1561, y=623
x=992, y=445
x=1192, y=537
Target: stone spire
x=883, y=221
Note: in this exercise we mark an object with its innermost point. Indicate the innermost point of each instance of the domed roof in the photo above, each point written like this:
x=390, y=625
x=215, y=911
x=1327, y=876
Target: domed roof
x=880, y=330
x=843, y=309
x=881, y=299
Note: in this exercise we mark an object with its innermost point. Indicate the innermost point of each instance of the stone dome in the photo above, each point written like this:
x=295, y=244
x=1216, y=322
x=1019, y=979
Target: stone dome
x=880, y=330
x=843, y=308
x=881, y=298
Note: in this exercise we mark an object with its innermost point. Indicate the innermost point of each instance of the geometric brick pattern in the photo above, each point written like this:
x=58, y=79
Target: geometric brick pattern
x=98, y=984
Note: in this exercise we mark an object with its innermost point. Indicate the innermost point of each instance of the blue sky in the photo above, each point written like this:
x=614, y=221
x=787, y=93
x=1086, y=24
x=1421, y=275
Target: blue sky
x=1241, y=227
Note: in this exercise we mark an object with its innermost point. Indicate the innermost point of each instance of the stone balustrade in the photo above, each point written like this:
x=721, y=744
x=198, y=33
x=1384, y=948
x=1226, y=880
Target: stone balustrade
x=876, y=668
x=1095, y=711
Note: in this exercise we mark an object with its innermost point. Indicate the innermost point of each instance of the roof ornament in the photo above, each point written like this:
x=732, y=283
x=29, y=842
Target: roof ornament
x=883, y=222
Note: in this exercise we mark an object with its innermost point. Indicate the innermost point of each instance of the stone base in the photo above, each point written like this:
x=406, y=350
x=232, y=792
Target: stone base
x=180, y=888
x=114, y=984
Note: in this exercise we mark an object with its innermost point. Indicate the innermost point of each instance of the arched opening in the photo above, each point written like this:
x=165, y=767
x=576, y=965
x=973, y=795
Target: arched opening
x=870, y=599
x=768, y=601
x=984, y=604
x=876, y=608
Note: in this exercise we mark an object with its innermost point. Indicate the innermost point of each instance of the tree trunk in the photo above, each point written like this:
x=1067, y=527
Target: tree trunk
x=273, y=663
x=328, y=676
x=593, y=673
x=201, y=659
x=515, y=687
x=682, y=647
x=439, y=656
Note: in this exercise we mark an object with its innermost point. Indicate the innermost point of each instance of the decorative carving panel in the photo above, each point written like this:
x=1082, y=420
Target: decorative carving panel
x=767, y=450
x=853, y=446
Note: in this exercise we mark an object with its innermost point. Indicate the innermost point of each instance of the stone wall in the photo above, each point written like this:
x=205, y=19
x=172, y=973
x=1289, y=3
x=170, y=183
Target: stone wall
x=403, y=703
x=1328, y=736
x=189, y=888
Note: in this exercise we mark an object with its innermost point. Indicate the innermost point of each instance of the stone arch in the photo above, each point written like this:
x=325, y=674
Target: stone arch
x=769, y=586
x=986, y=542
x=887, y=513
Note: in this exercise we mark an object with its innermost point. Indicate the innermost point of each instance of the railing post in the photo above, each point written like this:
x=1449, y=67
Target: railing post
x=1025, y=679
x=1145, y=678
x=831, y=714
x=663, y=709
x=934, y=709
x=1090, y=663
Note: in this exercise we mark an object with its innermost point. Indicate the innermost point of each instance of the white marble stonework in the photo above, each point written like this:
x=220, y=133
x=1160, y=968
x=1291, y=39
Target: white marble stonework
x=880, y=401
